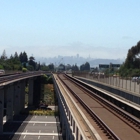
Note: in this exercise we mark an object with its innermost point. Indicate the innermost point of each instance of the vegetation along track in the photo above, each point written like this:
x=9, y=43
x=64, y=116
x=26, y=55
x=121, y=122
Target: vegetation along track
x=114, y=122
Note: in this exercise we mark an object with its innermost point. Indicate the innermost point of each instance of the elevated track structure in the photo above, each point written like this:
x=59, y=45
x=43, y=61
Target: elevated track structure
x=106, y=120
x=86, y=112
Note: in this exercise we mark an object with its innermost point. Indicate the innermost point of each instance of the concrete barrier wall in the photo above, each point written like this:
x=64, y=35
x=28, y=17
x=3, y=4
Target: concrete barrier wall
x=124, y=94
x=69, y=125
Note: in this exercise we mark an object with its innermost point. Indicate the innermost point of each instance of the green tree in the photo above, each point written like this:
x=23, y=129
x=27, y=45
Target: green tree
x=3, y=56
x=133, y=57
x=51, y=67
x=44, y=67
x=85, y=67
x=75, y=68
x=32, y=62
x=25, y=57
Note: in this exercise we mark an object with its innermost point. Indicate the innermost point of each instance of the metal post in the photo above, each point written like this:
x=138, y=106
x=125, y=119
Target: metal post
x=139, y=88
x=119, y=81
x=122, y=83
x=134, y=86
x=113, y=80
x=126, y=84
x=1, y=109
x=116, y=81
x=130, y=84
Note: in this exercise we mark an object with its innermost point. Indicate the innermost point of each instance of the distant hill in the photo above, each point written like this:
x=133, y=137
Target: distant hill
x=72, y=60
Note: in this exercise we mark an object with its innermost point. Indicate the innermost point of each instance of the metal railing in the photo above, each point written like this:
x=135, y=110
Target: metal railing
x=125, y=83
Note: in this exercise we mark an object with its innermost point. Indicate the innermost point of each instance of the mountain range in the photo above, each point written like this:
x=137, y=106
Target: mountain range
x=77, y=60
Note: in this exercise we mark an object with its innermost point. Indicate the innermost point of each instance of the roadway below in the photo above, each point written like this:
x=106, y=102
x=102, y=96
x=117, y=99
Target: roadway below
x=32, y=128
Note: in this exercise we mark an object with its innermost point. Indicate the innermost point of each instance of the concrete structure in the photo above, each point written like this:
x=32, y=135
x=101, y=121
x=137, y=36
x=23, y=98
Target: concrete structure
x=122, y=98
x=1, y=109
x=73, y=121
x=12, y=97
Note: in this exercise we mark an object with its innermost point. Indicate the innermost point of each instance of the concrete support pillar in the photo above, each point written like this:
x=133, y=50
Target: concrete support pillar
x=64, y=129
x=9, y=102
x=22, y=97
x=67, y=134
x=37, y=91
x=30, y=96
x=17, y=98
x=1, y=109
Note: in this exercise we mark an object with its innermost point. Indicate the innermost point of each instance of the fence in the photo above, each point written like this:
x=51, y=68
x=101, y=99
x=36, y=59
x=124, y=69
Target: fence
x=116, y=81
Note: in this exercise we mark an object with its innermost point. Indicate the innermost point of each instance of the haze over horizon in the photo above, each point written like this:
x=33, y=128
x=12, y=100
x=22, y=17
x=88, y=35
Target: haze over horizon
x=99, y=29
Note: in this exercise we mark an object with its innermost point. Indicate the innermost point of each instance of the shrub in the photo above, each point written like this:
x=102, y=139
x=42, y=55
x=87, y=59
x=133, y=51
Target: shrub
x=24, y=70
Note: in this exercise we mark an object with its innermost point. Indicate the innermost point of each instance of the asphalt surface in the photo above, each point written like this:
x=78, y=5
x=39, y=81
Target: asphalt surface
x=31, y=128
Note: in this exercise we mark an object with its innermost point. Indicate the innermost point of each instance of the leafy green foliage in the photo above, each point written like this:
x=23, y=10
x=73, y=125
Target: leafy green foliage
x=44, y=79
x=131, y=66
x=39, y=112
x=17, y=62
x=1, y=67
x=44, y=67
x=75, y=68
x=51, y=67
x=24, y=70
x=30, y=68
x=133, y=57
x=85, y=67
x=50, y=80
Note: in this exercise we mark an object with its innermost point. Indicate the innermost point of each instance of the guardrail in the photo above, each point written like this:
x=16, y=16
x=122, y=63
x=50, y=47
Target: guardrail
x=71, y=119
x=109, y=132
x=125, y=83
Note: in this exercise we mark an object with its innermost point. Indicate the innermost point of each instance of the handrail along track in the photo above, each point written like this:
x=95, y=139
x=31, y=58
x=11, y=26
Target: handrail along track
x=134, y=122
x=108, y=131
x=121, y=114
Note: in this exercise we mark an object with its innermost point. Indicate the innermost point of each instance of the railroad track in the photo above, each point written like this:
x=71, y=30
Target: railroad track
x=10, y=77
x=114, y=122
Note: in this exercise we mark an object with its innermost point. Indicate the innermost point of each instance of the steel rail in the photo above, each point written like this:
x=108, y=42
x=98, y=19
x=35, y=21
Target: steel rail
x=134, y=121
x=106, y=129
x=17, y=76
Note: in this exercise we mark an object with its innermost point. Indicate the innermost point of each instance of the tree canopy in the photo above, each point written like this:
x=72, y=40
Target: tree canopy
x=133, y=57
x=131, y=66
x=21, y=61
x=85, y=67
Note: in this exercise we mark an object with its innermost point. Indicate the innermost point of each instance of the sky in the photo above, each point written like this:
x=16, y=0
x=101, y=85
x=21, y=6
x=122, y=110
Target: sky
x=48, y=28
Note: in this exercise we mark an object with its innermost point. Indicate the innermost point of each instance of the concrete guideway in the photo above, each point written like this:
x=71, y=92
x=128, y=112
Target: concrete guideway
x=121, y=92
x=116, y=97
x=103, y=111
x=75, y=117
x=112, y=96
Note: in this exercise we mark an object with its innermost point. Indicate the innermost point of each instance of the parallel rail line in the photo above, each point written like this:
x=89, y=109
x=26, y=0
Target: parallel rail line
x=8, y=78
x=128, y=119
